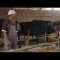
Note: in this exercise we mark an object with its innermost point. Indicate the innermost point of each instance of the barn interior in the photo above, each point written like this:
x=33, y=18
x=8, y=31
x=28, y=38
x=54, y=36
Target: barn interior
x=29, y=14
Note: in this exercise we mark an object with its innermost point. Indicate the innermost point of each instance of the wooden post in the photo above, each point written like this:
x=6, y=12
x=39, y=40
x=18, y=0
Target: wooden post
x=45, y=37
x=47, y=50
x=27, y=42
x=47, y=44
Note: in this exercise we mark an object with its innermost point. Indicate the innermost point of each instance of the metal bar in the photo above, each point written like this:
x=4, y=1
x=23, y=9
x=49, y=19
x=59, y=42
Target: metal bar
x=22, y=40
x=47, y=50
x=27, y=41
x=30, y=39
x=33, y=38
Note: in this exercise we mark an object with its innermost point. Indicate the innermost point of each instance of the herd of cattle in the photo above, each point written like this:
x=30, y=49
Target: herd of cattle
x=36, y=27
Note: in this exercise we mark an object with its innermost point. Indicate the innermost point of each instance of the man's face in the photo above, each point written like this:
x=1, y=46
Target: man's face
x=13, y=16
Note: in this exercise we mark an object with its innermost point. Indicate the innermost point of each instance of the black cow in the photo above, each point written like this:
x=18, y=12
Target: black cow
x=56, y=25
x=36, y=27
x=1, y=23
x=49, y=26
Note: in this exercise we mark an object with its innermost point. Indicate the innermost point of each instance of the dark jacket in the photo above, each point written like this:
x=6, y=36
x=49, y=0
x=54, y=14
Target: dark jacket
x=6, y=26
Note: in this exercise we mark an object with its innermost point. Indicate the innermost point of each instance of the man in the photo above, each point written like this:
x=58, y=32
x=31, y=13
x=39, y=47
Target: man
x=9, y=30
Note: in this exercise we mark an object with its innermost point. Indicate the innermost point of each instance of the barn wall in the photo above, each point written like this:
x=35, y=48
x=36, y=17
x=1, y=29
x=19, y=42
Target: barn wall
x=29, y=15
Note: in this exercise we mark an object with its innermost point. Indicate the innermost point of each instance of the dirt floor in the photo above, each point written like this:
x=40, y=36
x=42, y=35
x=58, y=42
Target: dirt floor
x=52, y=48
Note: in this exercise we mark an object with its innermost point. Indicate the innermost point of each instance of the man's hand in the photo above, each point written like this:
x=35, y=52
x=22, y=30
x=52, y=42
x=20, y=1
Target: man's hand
x=6, y=38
